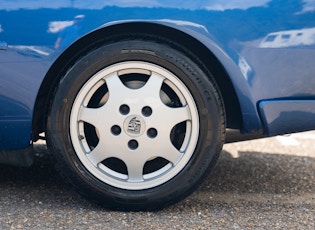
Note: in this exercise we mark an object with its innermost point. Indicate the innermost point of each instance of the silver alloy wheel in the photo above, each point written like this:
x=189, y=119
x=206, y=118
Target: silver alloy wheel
x=134, y=125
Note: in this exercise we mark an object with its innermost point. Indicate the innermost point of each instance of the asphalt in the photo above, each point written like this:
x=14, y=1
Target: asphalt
x=259, y=184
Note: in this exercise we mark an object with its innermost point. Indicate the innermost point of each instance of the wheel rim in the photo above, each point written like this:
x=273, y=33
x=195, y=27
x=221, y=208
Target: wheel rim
x=134, y=125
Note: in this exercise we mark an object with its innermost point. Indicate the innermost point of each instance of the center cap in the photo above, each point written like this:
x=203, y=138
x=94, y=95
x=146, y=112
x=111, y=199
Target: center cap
x=134, y=125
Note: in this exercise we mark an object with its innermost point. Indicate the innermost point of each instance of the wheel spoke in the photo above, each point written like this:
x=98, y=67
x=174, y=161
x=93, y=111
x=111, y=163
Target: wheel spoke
x=171, y=154
x=177, y=115
x=90, y=115
x=114, y=84
x=161, y=146
x=135, y=170
x=98, y=154
x=153, y=86
x=166, y=118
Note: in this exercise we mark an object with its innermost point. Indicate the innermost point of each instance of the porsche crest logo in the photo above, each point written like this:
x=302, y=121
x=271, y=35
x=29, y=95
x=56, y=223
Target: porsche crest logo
x=134, y=126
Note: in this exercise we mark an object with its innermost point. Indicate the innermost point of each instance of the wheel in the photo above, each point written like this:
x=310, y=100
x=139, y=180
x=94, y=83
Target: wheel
x=135, y=125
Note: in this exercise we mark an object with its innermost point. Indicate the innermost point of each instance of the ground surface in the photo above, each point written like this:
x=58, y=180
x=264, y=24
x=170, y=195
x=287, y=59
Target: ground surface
x=260, y=184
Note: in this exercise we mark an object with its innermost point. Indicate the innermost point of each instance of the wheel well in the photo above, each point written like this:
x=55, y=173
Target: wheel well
x=193, y=48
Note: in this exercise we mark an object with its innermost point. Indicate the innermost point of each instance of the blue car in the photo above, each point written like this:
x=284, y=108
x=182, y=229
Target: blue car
x=135, y=98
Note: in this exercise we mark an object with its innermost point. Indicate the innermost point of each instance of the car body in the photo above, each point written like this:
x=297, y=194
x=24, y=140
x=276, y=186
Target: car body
x=255, y=59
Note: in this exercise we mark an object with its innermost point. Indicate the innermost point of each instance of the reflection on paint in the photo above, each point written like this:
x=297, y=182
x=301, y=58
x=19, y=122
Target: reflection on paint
x=289, y=38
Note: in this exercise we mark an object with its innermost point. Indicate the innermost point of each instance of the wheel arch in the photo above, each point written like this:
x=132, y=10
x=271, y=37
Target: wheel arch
x=190, y=45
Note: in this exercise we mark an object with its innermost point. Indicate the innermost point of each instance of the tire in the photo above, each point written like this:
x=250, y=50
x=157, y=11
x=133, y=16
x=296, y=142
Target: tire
x=136, y=125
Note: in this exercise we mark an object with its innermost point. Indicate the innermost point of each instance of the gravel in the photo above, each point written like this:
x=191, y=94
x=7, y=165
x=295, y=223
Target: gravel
x=260, y=184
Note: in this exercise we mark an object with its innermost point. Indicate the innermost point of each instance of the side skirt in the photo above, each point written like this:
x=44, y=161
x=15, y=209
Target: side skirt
x=20, y=157
x=287, y=116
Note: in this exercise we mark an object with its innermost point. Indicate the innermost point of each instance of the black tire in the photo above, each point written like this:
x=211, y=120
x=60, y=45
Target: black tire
x=102, y=128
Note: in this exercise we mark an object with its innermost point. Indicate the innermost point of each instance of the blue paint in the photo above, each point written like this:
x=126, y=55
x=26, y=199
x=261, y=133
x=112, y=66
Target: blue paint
x=265, y=46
